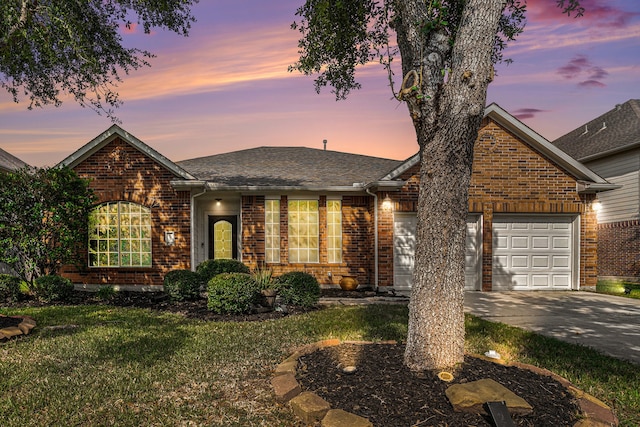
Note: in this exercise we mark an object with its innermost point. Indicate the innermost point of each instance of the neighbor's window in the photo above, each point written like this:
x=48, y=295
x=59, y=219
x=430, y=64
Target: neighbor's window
x=120, y=235
x=272, y=230
x=334, y=231
x=303, y=231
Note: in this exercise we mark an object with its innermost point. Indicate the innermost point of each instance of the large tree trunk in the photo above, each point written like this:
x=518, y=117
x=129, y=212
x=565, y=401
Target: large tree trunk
x=447, y=115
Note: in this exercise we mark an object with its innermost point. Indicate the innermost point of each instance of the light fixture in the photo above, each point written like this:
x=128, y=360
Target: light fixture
x=596, y=205
x=387, y=203
x=218, y=202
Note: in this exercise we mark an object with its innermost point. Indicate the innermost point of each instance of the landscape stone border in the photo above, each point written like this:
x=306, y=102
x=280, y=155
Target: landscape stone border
x=311, y=408
x=23, y=328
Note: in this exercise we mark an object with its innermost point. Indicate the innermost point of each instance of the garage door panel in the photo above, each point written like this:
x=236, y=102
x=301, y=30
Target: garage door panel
x=540, y=243
x=519, y=242
x=540, y=261
x=537, y=253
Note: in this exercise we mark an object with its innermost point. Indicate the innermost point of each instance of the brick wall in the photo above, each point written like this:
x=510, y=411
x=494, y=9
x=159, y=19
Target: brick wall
x=119, y=172
x=357, y=244
x=508, y=177
x=618, y=249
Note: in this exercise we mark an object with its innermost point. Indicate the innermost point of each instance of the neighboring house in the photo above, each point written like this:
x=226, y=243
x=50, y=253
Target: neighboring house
x=9, y=162
x=610, y=146
x=531, y=223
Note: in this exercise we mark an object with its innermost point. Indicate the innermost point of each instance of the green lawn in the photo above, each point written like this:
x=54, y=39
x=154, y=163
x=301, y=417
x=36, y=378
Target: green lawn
x=132, y=367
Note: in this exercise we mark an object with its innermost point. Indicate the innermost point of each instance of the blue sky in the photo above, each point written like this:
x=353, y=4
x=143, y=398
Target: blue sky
x=226, y=87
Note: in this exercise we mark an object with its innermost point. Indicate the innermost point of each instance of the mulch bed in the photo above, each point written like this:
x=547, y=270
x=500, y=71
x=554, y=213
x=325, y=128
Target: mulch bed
x=381, y=389
x=388, y=394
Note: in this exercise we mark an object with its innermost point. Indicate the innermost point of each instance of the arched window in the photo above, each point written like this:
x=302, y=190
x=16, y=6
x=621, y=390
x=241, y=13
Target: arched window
x=120, y=235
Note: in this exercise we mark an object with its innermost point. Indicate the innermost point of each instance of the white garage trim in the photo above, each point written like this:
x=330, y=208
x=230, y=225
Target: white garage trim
x=404, y=245
x=535, y=252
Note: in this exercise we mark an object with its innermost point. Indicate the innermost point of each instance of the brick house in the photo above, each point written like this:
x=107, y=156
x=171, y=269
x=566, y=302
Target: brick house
x=610, y=146
x=9, y=162
x=531, y=223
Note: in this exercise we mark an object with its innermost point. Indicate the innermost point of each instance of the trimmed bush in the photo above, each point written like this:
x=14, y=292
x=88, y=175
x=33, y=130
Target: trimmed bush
x=107, y=292
x=232, y=293
x=52, y=288
x=210, y=268
x=182, y=285
x=9, y=288
x=299, y=288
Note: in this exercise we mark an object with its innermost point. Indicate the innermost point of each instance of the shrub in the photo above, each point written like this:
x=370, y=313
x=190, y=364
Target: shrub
x=263, y=278
x=52, y=288
x=212, y=267
x=106, y=292
x=182, y=285
x=232, y=293
x=9, y=288
x=299, y=288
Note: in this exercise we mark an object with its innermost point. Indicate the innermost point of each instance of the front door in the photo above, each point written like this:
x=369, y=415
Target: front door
x=223, y=237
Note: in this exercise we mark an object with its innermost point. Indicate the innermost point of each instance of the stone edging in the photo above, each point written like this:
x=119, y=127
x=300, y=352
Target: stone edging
x=312, y=408
x=23, y=328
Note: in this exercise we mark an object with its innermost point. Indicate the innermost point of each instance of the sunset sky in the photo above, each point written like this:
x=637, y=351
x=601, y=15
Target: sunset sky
x=226, y=87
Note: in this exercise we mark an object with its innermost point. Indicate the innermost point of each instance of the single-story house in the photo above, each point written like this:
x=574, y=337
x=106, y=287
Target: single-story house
x=531, y=224
x=9, y=162
x=610, y=146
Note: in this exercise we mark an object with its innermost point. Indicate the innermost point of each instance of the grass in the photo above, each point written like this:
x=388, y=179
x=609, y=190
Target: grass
x=619, y=288
x=131, y=367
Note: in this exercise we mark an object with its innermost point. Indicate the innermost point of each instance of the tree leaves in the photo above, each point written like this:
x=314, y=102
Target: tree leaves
x=57, y=47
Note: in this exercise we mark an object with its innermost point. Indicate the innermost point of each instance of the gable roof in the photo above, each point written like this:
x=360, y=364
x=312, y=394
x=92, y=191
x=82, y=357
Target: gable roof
x=288, y=167
x=9, y=162
x=590, y=180
x=112, y=133
x=615, y=131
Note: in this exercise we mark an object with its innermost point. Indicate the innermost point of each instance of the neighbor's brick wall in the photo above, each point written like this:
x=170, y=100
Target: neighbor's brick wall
x=119, y=172
x=508, y=177
x=618, y=249
x=357, y=247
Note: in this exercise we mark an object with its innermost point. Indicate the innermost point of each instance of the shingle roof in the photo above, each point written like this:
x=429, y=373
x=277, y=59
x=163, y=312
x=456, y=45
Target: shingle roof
x=9, y=162
x=288, y=166
x=614, y=131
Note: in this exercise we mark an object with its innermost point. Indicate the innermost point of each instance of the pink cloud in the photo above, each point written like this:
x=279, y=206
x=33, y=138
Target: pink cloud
x=591, y=84
x=597, y=13
x=527, y=113
x=580, y=65
x=129, y=29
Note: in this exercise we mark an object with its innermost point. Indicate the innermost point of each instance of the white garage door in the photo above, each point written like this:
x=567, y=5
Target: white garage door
x=532, y=253
x=404, y=244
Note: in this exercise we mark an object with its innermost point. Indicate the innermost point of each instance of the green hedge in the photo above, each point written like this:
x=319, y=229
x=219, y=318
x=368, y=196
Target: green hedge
x=232, y=293
x=210, y=268
x=52, y=288
x=181, y=285
x=299, y=288
x=9, y=288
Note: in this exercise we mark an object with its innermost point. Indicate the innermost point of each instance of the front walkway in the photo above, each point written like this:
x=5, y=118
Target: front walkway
x=606, y=323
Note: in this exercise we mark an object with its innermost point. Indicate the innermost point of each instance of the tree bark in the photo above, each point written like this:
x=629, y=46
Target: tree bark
x=446, y=113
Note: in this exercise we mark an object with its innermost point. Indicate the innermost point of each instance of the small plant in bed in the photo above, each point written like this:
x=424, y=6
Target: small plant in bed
x=299, y=288
x=232, y=293
x=52, y=288
x=182, y=285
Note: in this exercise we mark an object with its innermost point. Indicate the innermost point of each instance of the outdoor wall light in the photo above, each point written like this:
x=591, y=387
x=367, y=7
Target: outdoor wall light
x=387, y=204
x=596, y=205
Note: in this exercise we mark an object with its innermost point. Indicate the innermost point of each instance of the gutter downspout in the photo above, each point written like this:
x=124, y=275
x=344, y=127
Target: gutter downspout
x=375, y=236
x=192, y=227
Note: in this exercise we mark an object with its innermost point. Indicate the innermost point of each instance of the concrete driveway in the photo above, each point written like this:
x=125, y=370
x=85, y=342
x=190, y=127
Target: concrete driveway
x=606, y=323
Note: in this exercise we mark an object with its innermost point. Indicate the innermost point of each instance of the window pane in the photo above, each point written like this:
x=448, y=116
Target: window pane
x=119, y=230
x=334, y=231
x=303, y=231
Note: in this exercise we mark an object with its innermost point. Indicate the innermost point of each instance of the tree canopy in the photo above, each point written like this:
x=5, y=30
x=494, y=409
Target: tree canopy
x=43, y=218
x=53, y=48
